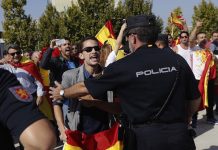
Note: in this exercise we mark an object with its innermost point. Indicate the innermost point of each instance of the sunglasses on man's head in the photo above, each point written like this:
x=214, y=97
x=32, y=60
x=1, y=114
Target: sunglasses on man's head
x=89, y=49
x=12, y=54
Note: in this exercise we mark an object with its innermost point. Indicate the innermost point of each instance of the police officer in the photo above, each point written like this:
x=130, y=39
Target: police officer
x=20, y=117
x=157, y=90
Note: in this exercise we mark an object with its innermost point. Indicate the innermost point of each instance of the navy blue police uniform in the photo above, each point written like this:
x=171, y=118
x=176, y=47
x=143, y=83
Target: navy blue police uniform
x=17, y=109
x=142, y=81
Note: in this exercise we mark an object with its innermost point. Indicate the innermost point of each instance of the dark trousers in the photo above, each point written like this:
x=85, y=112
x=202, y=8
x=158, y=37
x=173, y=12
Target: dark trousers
x=209, y=110
x=159, y=136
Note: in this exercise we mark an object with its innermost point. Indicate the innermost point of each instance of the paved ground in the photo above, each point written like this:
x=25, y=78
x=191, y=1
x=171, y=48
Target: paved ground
x=207, y=134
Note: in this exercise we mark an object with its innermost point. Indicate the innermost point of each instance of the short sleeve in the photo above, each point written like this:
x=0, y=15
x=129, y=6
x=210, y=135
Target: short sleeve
x=109, y=81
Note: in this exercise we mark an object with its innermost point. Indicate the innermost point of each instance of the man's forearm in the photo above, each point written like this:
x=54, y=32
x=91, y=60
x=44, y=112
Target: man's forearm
x=76, y=91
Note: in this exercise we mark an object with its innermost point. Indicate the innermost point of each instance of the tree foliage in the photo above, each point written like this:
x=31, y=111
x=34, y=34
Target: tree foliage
x=50, y=26
x=18, y=27
x=78, y=21
x=206, y=12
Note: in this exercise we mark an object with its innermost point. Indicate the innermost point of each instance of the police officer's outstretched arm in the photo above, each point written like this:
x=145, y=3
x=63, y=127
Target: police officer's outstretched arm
x=19, y=113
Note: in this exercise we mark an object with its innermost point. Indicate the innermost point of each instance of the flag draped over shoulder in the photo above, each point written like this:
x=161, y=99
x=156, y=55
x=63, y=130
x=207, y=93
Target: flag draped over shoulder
x=208, y=73
x=106, y=34
x=104, y=140
x=177, y=20
x=30, y=67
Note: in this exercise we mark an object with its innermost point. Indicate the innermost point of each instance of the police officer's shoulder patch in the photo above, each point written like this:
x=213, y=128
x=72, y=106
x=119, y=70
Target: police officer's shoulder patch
x=21, y=94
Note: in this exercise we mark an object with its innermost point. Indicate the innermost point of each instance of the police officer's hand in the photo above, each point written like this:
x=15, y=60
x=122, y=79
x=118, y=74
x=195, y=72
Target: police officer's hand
x=55, y=92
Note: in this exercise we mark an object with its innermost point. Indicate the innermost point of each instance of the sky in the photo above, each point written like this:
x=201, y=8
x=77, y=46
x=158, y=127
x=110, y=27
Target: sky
x=161, y=8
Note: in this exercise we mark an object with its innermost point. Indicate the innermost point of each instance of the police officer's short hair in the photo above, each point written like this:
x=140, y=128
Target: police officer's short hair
x=163, y=39
x=13, y=46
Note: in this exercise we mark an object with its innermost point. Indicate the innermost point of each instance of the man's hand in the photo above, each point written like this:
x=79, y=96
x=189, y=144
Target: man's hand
x=199, y=24
x=53, y=44
x=2, y=61
x=55, y=92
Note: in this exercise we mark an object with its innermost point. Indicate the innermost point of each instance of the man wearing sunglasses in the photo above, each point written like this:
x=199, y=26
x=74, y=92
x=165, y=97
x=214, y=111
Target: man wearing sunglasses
x=88, y=120
x=156, y=119
x=187, y=42
x=25, y=71
x=200, y=55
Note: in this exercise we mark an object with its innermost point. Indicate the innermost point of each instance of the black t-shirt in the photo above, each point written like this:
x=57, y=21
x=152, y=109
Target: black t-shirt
x=143, y=81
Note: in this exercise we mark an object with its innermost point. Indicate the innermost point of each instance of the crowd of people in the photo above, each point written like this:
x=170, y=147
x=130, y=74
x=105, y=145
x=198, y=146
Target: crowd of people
x=155, y=86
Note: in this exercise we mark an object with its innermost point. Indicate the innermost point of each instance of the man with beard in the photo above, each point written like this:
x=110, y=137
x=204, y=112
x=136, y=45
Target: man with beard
x=157, y=96
x=214, y=43
x=200, y=57
x=58, y=65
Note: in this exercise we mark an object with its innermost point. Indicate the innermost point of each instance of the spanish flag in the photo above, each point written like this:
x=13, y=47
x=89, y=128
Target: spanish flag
x=104, y=140
x=209, y=72
x=106, y=34
x=177, y=20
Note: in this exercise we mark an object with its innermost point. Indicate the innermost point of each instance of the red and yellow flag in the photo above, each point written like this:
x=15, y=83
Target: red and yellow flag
x=104, y=140
x=106, y=34
x=177, y=20
x=209, y=72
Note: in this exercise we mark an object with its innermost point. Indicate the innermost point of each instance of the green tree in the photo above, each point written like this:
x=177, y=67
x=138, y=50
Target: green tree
x=94, y=15
x=137, y=7
x=206, y=12
x=129, y=8
x=18, y=27
x=73, y=21
x=50, y=26
x=171, y=28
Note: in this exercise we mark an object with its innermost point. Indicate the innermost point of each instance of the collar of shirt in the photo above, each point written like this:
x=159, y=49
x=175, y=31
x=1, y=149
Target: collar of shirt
x=86, y=73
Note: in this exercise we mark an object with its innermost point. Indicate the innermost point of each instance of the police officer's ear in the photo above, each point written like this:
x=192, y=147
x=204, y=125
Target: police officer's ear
x=81, y=56
x=132, y=39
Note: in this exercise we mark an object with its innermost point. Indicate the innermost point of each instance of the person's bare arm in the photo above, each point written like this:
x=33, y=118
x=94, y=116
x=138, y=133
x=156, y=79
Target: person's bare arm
x=119, y=38
x=193, y=107
x=60, y=121
x=194, y=32
x=39, y=135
